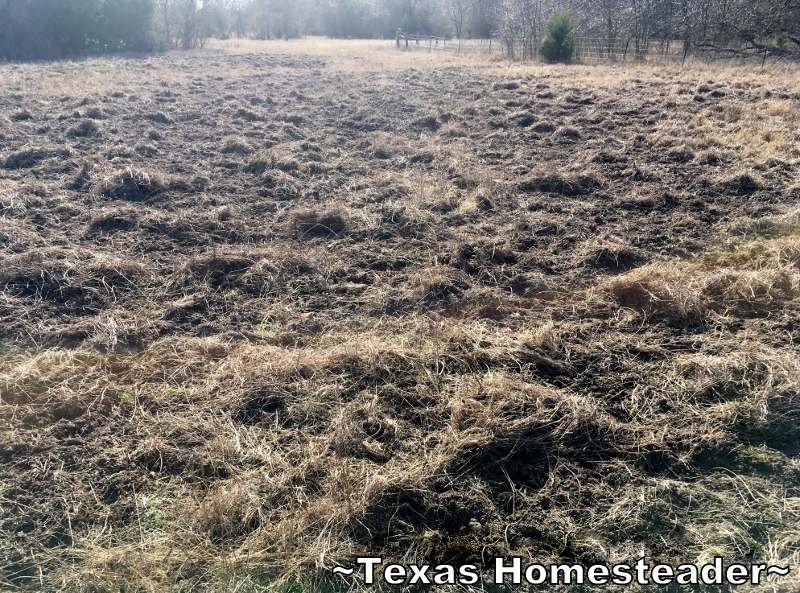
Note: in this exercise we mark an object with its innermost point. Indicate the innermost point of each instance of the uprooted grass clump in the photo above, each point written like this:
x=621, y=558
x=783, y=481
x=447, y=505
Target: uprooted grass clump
x=754, y=281
x=132, y=184
x=25, y=159
x=312, y=223
x=84, y=129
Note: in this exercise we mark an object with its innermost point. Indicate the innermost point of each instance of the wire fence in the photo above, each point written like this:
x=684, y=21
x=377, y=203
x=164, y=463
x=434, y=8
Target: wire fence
x=588, y=49
x=596, y=49
x=443, y=44
x=672, y=50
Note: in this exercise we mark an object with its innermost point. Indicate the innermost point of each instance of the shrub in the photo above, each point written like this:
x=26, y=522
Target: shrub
x=558, y=44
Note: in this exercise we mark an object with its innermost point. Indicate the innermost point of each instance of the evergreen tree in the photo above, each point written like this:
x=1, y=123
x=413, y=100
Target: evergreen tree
x=558, y=44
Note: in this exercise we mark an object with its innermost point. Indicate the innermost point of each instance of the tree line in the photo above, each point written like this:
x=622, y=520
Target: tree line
x=31, y=29
x=639, y=23
x=35, y=29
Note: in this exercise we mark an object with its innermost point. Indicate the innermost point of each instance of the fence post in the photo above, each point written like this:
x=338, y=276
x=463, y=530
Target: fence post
x=397, y=38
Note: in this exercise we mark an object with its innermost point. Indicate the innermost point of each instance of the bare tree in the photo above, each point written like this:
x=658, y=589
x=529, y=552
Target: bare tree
x=482, y=15
x=457, y=11
x=190, y=24
x=521, y=26
x=165, y=8
x=238, y=11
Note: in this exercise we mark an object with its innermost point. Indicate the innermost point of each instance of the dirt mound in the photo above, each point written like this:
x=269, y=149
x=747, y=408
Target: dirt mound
x=25, y=159
x=82, y=282
x=311, y=223
x=160, y=118
x=427, y=122
x=740, y=184
x=524, y=119
x=113, y=221
x=564, y=185
x=506, y=85
x=85, y=129
x=218, y=271
x=544, y=127
x=236, y=146
x=133, y=185
x=615, y=259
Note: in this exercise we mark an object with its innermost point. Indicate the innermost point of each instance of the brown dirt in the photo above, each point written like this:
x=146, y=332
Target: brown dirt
x=263, y=313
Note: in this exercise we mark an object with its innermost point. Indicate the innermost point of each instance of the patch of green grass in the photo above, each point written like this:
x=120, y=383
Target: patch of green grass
x=261, y=582
x=489, y=373
x=151, y=516
x=266, y=330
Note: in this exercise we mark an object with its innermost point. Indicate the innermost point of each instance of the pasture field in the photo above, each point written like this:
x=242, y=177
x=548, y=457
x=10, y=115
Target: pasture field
x=272, y=306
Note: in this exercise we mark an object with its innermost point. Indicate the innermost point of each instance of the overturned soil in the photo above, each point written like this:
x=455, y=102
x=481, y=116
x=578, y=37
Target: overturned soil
x=262, y=314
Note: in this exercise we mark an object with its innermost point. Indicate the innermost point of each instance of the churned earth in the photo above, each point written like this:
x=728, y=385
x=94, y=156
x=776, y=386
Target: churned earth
x=263, y=313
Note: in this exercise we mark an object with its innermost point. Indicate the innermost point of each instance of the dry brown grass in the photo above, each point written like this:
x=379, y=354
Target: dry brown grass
x=307, y=502
x=354, y=56
x=529, y=310
x=784, y=109
x=757, y=279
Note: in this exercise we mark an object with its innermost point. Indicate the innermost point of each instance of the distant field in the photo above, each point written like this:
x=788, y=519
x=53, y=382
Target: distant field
x=274, y=305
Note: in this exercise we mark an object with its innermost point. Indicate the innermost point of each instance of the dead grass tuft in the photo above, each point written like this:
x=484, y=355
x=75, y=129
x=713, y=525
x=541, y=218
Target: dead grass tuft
x=364, y=433
x=26, y=159
x=132, y=184
x=656, y=293
x=236, y=145
x=784, y=109
x=229, y=510
x=753, y=281
x=84, y=129
x=312, y=223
